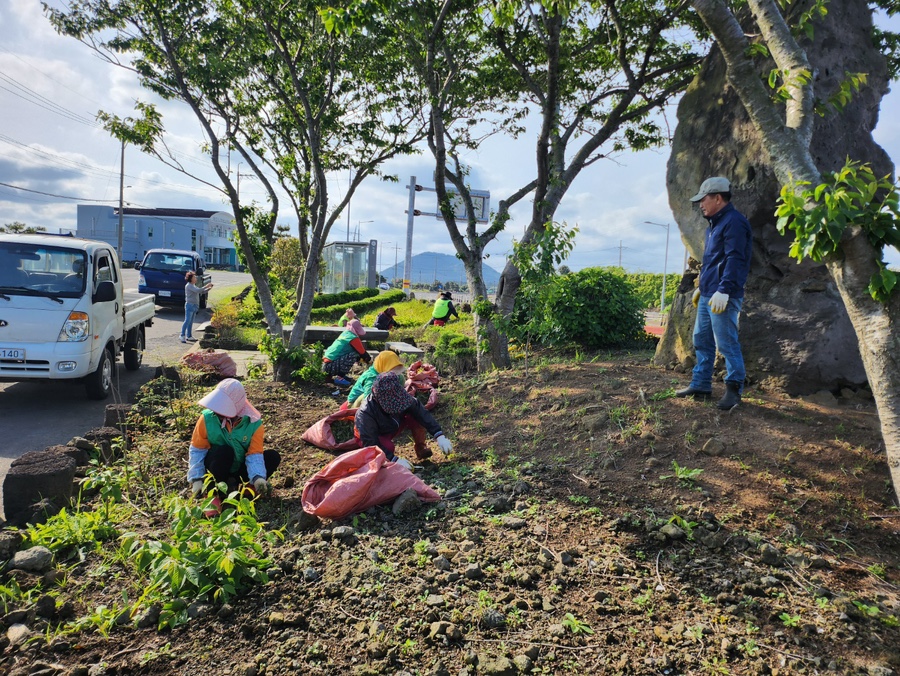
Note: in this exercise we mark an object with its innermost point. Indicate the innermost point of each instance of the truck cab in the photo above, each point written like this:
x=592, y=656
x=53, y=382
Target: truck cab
x=162, y=273
x=64, y=313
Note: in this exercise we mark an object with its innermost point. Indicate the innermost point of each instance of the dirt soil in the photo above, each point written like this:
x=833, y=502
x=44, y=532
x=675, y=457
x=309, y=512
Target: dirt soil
x=564, y=543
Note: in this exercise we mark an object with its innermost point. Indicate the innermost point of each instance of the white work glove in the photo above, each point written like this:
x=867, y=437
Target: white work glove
x=403, y=462
x=718, y=302
x=695, y=299
x=444, y=444
x=196, y=487
x=260, y=485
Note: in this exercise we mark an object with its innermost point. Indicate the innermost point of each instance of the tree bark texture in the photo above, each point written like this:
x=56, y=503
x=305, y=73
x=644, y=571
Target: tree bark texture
x=795, y=330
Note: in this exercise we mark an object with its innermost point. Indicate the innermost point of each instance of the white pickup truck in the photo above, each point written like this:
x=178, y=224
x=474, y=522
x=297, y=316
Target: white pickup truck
x=64, y=313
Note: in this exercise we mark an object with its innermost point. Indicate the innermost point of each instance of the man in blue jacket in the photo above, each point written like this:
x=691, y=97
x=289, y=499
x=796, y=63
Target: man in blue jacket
x=720, y=294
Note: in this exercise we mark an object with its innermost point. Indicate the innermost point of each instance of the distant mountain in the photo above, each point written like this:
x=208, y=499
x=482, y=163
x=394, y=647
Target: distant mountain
x=430, y=267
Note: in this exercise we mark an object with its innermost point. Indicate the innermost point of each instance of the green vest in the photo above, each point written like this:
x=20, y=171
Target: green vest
x=441, y=309
x=340, y=346
x=238, y=438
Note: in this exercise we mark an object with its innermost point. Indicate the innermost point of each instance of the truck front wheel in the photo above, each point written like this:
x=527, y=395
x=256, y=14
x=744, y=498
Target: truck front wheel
x=99, y=383
x=134, y=348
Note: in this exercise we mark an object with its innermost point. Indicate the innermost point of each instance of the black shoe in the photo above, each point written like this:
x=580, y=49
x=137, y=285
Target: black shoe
x=732, y=397
x=691, y=391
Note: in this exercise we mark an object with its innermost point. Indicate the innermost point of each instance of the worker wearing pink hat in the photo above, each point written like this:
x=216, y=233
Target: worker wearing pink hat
x=228, y=441
x=344, y=352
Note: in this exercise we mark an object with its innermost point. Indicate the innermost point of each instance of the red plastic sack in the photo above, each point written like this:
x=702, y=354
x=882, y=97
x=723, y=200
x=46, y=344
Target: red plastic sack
x=355, y=481
x=320, y=433
x=210, y=361
x=423, y=378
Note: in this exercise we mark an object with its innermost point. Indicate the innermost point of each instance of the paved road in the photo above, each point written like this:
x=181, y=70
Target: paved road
x=36, y=415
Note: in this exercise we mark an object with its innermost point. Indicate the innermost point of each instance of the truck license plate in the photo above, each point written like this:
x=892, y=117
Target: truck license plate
x=12, y=353
x=165, y=294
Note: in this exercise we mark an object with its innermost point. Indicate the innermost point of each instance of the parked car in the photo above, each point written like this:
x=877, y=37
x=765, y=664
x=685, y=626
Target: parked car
x=162, y=274
x=65, y=313
x=384, y=286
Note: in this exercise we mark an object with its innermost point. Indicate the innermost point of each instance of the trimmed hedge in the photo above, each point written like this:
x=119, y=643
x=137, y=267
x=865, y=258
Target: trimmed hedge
x=332, y=313
x=344, y=297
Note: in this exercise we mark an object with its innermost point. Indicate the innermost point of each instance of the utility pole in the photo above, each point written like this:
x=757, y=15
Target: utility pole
x=121, y=204
x=620, y=253
x=662, y=300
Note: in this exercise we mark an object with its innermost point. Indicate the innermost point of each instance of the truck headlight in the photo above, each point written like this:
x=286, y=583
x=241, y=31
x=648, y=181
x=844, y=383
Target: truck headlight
x=141, y=280
x=76, y=329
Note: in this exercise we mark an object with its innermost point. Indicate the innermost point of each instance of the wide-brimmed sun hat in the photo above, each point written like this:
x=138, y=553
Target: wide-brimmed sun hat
x=229, y=399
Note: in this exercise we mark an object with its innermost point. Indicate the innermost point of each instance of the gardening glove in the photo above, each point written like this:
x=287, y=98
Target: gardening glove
x=260, y=485
x=444, y=444
x=403, y=462
x=718, y=302
x=196, y=487
x=366, y=357
x=695, y=299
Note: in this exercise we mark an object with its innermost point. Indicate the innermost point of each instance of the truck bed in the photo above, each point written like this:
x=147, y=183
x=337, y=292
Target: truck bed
x=139, y=308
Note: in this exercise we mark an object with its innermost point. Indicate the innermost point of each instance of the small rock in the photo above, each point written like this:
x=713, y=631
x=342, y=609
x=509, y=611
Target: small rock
x=246, y=669
x=769, y=581
x=442, y=563
x=513, y=522
x=45, y=606
x=881, y=671
x=769, y=554
x=310, y=574
x=36, y=559
x=672, y=532
x=713, y=448
x=435, y=601
x=276, y=619
x=18, y=634
x=343, y=532
x=443, y=628
x=496, y=666
x=492, y=618
x=407, y=501
x=226, y=611
x=523, y=663
x=556, y=631
x=149, y=618
x=473, y=572
x=10, y=541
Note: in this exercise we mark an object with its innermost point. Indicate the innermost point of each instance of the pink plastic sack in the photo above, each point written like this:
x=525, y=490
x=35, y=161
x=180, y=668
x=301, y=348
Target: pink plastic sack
x=355, y=481
x=210, y=361
x=321, y=436
x=423, y=378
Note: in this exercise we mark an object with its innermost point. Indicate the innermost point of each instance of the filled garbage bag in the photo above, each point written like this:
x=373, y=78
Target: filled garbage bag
x=355, y=481
x=322, y=434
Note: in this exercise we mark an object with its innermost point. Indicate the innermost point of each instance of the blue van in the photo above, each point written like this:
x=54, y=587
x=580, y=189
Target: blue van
x=162, y=274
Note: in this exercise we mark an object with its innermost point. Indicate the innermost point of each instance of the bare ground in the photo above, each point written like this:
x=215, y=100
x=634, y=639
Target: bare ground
x=565, y=543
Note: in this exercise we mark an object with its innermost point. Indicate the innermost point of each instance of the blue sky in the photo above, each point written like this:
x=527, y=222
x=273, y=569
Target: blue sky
x=51, y=88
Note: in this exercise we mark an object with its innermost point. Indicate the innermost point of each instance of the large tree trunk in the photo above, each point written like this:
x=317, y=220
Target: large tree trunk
x=795, y=331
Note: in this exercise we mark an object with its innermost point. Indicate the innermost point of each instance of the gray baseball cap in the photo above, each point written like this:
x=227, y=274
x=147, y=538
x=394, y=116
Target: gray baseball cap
x=712, y=185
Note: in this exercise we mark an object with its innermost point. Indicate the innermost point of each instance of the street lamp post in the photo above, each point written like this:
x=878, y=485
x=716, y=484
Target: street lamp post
x=359, y=223
x=662, y=301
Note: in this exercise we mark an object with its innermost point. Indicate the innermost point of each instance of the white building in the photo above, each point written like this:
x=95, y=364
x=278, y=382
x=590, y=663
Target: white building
x=209, y=232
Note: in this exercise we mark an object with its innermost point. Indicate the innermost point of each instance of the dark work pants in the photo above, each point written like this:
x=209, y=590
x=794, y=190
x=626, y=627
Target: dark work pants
x=219, y=460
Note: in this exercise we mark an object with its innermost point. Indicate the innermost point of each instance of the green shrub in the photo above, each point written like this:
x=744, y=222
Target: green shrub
x=454, y=352
x=595, y=308
x=328, y=315
x=343, y=297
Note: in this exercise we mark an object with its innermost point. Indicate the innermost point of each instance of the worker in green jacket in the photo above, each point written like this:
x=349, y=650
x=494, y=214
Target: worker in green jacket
x=443, y=310
x=384, y=361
